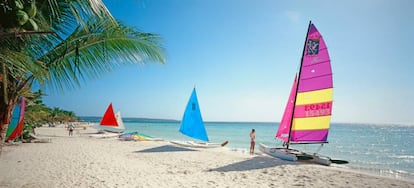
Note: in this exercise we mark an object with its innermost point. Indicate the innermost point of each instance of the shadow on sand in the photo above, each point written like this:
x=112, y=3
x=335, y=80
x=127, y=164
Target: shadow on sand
x=165, y=148
x=258, y=162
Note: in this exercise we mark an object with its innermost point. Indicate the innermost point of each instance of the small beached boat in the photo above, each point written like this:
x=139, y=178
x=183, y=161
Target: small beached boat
x=111, y=122
x=307, y=115
x=136, y=136
x=104, y=135
x=192, y=125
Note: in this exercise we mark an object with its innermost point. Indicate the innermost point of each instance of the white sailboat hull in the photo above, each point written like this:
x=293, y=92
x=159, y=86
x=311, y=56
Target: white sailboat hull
x=319, y=160
x=294, y=155
x=281, y=153
x=108, y=129
x=105, y=135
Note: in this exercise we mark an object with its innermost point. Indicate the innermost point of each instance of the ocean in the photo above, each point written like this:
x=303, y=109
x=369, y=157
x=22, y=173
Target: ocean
x=385, y=150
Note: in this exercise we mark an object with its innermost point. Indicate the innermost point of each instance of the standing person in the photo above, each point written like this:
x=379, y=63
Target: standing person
x=252, y=142
x=71, y=127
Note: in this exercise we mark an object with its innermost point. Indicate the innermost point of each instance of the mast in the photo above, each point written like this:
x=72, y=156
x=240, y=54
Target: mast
x=297, y=84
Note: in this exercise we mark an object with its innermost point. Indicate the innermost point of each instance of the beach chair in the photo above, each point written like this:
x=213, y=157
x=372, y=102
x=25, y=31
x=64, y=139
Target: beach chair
x=38, y=139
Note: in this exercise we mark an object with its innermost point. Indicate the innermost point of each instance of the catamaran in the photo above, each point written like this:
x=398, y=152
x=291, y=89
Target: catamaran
x=307, y=115
x=192, y=125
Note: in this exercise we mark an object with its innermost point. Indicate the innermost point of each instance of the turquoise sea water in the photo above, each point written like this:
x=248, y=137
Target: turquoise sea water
x=381, y=149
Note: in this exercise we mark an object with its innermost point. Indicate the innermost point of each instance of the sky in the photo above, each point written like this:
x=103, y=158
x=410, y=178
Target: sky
x=242, y=55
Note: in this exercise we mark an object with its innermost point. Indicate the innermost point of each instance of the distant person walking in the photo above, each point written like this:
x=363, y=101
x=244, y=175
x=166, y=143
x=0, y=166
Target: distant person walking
x=252, y=141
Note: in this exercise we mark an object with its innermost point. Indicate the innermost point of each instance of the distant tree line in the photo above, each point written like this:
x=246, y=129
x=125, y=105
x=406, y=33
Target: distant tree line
x=38, y=114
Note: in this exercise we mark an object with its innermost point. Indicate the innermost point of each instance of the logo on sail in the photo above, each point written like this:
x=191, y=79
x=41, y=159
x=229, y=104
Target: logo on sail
x=312, y=46
x=321, y=109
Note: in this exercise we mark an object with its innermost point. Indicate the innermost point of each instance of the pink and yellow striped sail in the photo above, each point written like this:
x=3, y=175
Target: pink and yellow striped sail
x=310, y=101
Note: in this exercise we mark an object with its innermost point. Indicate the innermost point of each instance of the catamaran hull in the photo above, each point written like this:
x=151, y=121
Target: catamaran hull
x=294, y=155
x=281, y=153
x=317, y=160
x=193, y=144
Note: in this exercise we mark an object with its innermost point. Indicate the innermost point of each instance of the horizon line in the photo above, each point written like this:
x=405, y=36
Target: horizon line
x=241, y=121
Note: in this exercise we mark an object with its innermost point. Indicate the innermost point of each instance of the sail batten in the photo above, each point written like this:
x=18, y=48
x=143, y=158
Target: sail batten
x=308, y=113
x=316, y=63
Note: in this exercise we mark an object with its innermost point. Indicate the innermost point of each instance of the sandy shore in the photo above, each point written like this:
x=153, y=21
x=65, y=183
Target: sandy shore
x=81, y=161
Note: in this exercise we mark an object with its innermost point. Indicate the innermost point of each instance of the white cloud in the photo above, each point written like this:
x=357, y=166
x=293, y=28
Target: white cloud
x=293, y=16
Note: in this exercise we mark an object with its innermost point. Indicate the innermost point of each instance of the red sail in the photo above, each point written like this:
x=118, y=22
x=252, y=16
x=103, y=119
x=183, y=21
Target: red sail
x=285, y=124
x=109, y=118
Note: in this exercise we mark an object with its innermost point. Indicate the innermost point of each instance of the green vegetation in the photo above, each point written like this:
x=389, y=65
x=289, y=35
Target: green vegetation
x=38, y=114
x=60, y=44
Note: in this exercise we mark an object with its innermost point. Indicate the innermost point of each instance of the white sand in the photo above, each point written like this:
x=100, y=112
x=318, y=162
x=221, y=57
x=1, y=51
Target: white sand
x=81, y=161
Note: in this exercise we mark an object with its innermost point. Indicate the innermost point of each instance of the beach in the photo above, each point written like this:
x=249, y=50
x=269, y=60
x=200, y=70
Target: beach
x=83, y=161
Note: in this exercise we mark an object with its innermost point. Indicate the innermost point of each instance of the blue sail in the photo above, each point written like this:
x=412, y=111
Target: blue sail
x=192, y=123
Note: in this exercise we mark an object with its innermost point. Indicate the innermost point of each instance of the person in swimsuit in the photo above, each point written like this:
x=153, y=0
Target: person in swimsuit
x=71, y=127
x=252, y=142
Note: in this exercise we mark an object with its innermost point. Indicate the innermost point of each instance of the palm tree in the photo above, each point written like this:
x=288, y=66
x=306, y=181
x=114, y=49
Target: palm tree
x=36, y=112
x=86, y=43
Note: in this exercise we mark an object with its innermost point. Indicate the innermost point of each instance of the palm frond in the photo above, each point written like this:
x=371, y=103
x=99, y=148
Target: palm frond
x=15, y=68
x=77, y=11
x=96, y=49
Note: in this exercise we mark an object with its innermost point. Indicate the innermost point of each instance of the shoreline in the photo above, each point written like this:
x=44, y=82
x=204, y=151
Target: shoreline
x=386, y=173
x=92, y=162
